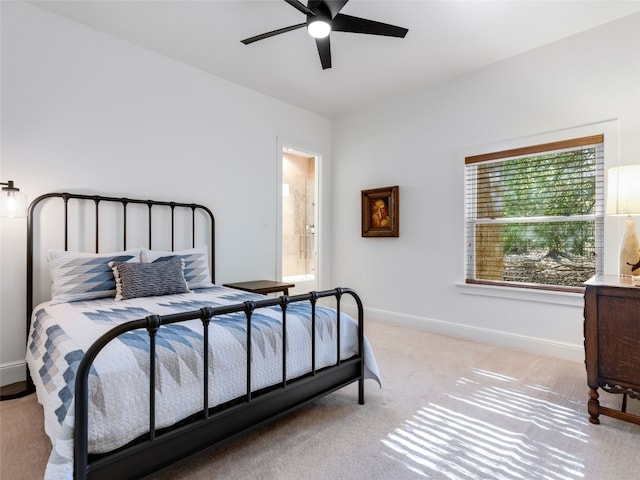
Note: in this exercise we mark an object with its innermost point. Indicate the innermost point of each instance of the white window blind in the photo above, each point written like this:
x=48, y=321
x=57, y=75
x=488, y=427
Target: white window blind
x=534, y=215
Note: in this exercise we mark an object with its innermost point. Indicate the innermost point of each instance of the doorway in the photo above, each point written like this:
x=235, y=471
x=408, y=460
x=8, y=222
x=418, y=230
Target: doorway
x=299, y=259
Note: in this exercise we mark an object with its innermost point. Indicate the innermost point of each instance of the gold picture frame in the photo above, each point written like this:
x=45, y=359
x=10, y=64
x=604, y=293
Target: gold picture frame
x=381, y=212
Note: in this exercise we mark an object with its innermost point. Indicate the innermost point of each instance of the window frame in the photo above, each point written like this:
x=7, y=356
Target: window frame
x=471, y=220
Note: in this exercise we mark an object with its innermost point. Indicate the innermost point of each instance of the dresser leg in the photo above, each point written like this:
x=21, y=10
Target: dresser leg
x=624, y=403
x=593, y=407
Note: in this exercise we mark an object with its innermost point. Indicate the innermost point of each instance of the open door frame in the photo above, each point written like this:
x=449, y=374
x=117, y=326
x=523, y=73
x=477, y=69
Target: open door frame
x=320, y=201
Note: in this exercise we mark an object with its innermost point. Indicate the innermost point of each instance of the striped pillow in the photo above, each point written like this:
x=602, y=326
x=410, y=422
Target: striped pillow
x=196, y=264
x=135, y=280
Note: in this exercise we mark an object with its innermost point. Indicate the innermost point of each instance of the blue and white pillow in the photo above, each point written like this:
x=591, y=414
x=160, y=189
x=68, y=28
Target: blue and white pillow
x=135, y=280
x=85, y=276
x=196, y=264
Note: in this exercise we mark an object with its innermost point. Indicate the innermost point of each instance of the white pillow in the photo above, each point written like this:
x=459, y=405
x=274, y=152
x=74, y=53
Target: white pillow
x=85, y=276
x=196, y=264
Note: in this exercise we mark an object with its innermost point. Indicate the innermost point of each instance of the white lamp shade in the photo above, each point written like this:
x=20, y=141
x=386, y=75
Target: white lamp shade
x=623, y=196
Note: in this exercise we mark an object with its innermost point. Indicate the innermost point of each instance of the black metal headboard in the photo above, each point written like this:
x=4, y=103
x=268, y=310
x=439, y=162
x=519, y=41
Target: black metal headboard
x=117, y=217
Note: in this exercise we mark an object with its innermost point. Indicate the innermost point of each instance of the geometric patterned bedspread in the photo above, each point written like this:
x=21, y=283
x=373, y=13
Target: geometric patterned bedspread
x=118, y=383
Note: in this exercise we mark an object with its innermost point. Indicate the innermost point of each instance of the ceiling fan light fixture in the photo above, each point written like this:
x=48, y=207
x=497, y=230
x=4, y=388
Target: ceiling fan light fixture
x=319, y=28
x=321, y=17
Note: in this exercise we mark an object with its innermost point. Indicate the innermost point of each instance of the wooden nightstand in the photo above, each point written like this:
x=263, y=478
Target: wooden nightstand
x=262, y=286
x=612, y=343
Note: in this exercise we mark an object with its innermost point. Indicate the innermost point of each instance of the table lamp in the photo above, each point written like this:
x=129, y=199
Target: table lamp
x=623, y=198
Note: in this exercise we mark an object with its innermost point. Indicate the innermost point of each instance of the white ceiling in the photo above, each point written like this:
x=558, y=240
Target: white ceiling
x=446, y=38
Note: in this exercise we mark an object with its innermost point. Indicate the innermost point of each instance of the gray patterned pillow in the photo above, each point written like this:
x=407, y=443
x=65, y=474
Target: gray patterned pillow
x=149, y=279
x=85, y=276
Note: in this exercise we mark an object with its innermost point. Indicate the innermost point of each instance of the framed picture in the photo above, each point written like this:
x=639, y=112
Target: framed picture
x=381, y=212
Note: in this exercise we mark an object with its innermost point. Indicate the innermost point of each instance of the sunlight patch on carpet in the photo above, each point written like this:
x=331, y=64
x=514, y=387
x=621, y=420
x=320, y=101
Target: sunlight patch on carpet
x=493, y=427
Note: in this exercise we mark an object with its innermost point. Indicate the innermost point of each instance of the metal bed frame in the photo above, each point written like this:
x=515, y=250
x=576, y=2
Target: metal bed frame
x=212, y=426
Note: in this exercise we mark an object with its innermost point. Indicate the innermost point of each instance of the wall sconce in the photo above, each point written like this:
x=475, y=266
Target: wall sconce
x=623, y=198
x=13, y=203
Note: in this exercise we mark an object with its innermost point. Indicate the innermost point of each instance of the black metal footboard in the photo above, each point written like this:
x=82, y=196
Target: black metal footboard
x=213, y=426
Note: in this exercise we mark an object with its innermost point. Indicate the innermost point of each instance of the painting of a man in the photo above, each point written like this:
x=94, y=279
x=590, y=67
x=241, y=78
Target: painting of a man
x=379, y=214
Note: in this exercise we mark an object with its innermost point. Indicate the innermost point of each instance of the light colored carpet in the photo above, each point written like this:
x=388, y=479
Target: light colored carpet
x=448, y=409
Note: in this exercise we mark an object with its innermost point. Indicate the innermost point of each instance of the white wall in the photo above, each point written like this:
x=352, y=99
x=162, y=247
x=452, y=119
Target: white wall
x=419, y=141
x=82, y=111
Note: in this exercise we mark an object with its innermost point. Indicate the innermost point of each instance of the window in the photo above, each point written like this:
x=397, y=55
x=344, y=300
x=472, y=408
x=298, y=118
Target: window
x=534, y=215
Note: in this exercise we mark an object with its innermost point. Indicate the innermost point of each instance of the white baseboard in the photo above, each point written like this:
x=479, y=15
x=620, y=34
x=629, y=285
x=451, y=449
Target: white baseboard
x=13, y=372
x=500, y=338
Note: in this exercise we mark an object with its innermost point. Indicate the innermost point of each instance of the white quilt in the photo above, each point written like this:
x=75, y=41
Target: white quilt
x=119, y=392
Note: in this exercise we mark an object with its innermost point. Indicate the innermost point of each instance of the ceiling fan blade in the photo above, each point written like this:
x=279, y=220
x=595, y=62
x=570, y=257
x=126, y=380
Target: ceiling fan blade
x=262, y=36
x=335, y=6
x=347, y=23
x=300, y=6
x=324, y=50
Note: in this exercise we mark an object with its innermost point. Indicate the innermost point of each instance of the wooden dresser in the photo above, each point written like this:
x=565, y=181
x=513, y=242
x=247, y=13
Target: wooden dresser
x=612, y=343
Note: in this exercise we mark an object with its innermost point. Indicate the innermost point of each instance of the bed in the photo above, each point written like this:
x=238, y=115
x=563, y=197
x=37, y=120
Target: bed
x=140, y=359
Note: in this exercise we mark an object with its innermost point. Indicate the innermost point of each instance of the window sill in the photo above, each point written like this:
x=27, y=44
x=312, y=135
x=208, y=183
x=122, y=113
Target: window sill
x=523, y=294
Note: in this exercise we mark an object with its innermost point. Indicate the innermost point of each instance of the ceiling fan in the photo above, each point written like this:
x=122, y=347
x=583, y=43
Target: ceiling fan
x=323, y=17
